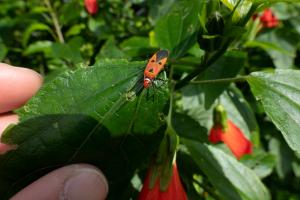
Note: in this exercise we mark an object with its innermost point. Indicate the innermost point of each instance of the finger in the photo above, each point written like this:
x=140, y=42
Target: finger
x=5, y=120
x=17, y=85
x=78, y=181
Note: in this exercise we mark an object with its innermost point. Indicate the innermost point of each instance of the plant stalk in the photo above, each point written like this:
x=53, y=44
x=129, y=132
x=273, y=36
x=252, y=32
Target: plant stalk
x=55, y=21
x=209, y=58
x=222, y=80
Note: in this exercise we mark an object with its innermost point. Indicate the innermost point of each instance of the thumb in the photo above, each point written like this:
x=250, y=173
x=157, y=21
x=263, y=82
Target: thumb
x=77, y=181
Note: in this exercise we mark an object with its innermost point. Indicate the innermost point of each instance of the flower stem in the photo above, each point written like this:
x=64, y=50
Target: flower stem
x=171, y=88
x=222, y=80
x=55, y=21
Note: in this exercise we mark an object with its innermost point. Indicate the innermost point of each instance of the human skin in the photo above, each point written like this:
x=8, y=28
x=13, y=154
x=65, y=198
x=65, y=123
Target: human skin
x=72, y=182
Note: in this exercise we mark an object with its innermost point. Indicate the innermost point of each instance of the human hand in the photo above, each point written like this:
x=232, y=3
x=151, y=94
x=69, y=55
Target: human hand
x=77, y=181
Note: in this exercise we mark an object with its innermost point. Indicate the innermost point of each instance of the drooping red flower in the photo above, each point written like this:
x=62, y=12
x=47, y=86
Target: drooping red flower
x=91, y=6
x=174, y=191
x=233, y=137
x=267, y=19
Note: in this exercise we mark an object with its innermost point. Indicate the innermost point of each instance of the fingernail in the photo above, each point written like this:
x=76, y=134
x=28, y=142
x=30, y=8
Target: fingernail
x=87, y=184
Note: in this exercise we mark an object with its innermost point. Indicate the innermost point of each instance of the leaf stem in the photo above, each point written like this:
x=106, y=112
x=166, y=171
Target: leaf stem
x=211, y=57
x=208, y=59
x=222, y=80
x=55, y=21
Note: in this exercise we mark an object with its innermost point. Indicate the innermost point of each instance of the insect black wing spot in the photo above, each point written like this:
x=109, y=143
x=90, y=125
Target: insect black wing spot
x=162, y=54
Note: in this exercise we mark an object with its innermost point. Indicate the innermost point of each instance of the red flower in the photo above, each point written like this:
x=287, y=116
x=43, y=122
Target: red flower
x=233, y=137
x=267, y=19
x=91, y=6
x=174, y=190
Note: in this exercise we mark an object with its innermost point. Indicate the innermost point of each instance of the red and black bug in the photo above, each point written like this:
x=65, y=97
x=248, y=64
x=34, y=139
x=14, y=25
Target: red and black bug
x=154, y=67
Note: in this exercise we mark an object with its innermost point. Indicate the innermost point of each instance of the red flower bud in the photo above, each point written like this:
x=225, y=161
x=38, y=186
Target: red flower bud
x=233, y=137
x=174, y=191
x=91, y=6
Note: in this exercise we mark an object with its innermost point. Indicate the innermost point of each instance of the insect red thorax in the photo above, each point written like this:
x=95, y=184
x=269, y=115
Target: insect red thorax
x=154, y=66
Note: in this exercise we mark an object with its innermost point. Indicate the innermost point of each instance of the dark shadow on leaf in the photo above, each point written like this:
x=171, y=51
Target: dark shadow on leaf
x=48, y=142
x=188, y=128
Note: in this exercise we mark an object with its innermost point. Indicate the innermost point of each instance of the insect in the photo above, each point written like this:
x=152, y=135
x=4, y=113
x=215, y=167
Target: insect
x=154, y=67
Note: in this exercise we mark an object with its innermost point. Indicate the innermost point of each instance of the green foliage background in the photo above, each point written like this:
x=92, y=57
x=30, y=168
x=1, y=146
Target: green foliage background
x=92, y=107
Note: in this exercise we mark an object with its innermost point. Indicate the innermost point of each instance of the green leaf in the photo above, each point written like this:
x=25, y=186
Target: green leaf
x=188, y=169
x=109, y=91
x=284, y=156
x=76, y=29
x=38, y=47
x=74, y=113
x=39, y=10
x=198, y=99
x=229, y=3
x=188, y=128
x=260, y=162
x=227, y=66
x=268, y=3
x=51, y=141
x=267, y=46
x=158, y=8
x=69, y=51
x=295, y=21
x=284, y=58
x=232, y=179
x=176, y=31
x=296, y=168
x=99, y=28
x=110, y=50
x=136, y=46
x=193, y=102
x=279, y=94
x=286, y=11
x=34, y=27
x=242, y=8
x=70, y=12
